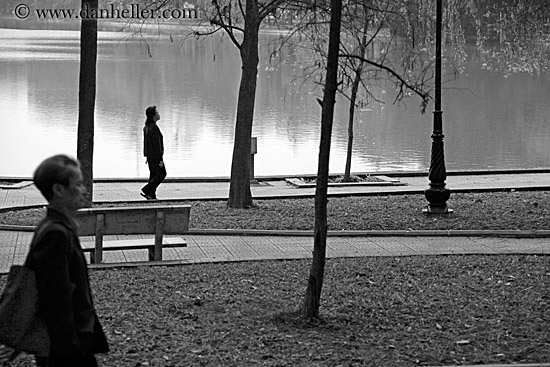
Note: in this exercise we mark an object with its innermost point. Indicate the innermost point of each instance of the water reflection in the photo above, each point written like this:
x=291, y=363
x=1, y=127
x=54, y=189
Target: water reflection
x=489, y=121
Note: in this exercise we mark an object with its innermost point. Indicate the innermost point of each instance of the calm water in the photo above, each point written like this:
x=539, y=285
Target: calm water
x=489, y=121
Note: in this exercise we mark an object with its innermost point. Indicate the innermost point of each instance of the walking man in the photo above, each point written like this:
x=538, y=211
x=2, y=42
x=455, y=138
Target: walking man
x=64, y=295
x=153, y=150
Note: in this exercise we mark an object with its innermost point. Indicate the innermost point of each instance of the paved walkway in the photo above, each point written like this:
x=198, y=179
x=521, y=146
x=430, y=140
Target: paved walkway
x=270, y=188
x=216, y=246
x=223, y=248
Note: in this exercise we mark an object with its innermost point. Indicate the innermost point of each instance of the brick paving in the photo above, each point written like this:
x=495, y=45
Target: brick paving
x=229, y=248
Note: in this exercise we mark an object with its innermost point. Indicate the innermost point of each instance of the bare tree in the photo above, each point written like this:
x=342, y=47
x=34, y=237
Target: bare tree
x=241, y=22
x=366, y=25
x=310, y=307
x=411, y=73
x=357, y=77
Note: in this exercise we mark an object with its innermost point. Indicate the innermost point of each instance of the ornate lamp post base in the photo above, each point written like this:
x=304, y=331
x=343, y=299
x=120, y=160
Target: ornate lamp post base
x=437, y=196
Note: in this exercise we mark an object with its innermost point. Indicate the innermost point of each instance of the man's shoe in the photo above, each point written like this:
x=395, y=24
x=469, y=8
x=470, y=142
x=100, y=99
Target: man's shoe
x=148, y=197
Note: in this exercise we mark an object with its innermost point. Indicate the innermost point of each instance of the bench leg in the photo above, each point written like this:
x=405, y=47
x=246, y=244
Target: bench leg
x=97, y=255
x=159, y=232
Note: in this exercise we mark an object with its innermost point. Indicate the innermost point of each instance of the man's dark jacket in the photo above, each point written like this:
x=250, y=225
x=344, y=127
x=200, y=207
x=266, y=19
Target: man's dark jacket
x=65, y=299
x=153, y=145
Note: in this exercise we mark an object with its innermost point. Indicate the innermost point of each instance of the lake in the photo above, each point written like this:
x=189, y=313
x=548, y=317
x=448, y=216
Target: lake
x=490, y=122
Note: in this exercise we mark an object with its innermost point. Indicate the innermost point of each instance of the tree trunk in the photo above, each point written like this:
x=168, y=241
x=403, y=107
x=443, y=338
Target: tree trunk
x=239, y=189
x=353, y=97
x=310, y=307
x=86, y=96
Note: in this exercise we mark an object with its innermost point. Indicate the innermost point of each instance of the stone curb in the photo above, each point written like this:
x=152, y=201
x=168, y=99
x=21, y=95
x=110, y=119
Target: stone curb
x=390, y=233
x=504, y=365
x=16, y=186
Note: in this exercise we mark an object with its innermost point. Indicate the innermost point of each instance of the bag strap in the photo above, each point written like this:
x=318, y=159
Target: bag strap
x=37, y=235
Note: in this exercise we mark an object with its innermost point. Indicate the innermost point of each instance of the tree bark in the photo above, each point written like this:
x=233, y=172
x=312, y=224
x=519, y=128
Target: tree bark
x=239, y=189
x=310, y=307
x=86, y=96
x=351, y=118
x=353, y=97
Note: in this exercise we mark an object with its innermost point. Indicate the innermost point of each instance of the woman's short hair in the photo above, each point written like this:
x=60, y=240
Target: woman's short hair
x=56, y=169
x=150, y=112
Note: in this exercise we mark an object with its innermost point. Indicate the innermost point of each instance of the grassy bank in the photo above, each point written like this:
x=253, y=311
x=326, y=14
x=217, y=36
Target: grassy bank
x=476, y=211
x=410, y=311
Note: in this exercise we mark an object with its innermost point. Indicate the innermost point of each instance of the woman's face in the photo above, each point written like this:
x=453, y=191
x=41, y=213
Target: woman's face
x=157, y=114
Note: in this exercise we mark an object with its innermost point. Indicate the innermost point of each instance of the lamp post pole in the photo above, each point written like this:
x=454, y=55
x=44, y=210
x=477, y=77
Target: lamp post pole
x=437, y=194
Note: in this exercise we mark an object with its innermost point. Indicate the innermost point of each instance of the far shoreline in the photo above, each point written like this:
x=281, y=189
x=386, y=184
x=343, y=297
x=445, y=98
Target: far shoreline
x=154, y=28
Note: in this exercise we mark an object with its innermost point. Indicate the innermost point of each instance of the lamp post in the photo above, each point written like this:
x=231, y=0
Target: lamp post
x=437, y=194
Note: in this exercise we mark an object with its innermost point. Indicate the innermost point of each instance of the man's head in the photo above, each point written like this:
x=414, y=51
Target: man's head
x=59, y=179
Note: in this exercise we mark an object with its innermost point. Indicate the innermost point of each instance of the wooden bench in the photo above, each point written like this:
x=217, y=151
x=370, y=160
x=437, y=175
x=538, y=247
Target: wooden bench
x=158, y=220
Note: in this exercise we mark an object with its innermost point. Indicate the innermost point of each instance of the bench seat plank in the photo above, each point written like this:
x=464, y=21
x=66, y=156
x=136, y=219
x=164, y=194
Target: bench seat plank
x=136, y=220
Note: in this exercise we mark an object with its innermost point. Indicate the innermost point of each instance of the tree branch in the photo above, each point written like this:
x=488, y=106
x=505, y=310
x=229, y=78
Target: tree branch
x=229, y=30
x=227, y=27
x=424, y=95
x=243, y=12
x=268, y=8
